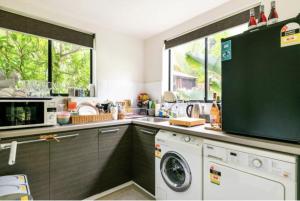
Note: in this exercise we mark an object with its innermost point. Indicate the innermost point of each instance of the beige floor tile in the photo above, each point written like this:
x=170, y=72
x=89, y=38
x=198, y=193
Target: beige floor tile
x=131, y=192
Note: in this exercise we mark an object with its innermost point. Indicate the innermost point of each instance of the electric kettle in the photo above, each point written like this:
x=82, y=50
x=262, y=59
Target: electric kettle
x=193, y=111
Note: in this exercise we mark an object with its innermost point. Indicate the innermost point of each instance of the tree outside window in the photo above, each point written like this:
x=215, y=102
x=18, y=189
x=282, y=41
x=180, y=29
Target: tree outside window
x=70, y=66
x=25, y=54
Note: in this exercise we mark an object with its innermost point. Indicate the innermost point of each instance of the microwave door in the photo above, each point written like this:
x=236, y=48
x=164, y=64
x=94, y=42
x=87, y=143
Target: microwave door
x=21, y=114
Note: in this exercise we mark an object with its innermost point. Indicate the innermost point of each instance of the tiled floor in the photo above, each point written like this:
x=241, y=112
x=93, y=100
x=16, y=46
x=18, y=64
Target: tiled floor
x=131, y=192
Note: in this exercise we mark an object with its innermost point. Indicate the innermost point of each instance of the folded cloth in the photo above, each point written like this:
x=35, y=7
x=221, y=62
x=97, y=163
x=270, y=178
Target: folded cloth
x=18, y=196
x=13, y=179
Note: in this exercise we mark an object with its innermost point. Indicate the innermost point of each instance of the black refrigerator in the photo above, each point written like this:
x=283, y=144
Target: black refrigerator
x=261, y=82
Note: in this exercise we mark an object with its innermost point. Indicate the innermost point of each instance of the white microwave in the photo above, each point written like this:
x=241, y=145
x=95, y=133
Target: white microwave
x=18, y=113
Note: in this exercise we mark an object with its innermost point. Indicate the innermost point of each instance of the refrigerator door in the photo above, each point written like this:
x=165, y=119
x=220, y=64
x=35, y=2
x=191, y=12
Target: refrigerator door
x=261, y=85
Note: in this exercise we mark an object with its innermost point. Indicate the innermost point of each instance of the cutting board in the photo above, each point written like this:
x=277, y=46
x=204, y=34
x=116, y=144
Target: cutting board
x=188, y=122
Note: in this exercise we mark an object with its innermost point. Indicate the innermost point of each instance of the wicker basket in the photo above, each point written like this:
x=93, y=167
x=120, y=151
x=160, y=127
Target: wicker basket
x=82, y=119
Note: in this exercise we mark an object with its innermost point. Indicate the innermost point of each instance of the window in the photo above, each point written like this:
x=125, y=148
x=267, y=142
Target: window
x=70, y=66
x=35, y=58
x=188, y=70
x=195, y=67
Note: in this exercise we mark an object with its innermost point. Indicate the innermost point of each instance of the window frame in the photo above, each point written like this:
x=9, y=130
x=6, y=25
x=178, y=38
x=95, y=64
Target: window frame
x=50, y=68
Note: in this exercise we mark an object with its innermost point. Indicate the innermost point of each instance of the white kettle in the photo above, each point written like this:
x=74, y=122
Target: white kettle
x=193, y=111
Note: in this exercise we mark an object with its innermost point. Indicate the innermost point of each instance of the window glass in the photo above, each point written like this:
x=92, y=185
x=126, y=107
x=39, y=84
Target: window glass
x=70, y=67
x=188, y=70
x=214, y=59
x=25, y=54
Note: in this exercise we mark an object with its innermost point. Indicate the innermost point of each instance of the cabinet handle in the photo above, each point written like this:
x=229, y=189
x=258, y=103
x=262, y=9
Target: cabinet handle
x=110, y=131
x=66, y=136
x=147, y=132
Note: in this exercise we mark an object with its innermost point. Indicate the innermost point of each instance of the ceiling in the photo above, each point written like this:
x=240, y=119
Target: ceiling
x=139, y=18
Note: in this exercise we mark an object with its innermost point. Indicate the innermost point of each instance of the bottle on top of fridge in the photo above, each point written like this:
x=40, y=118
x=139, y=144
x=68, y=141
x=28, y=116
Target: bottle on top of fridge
x=262, y=20
x=252, y=21
x=273, y=17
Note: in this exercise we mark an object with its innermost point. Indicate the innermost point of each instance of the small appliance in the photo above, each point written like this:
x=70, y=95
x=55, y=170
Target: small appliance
x=193, y=111
x=27, y=112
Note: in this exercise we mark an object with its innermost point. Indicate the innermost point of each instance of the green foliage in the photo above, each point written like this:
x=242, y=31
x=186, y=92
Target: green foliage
x=28, y=55
x=198, y=67
x=25, y=54
x=71, y=66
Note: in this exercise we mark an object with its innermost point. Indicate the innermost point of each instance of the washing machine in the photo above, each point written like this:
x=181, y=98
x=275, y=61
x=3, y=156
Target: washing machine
x=178, y=166
x=234, y=172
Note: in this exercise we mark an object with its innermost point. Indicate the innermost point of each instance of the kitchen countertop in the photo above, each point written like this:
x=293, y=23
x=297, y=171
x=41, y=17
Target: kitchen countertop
x=199, y=131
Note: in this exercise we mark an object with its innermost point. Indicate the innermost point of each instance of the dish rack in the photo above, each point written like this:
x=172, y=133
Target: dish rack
x=82, y=119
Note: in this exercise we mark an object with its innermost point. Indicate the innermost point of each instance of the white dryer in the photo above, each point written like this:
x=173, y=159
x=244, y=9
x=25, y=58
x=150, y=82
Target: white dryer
x=178, y=166
x=233, y=172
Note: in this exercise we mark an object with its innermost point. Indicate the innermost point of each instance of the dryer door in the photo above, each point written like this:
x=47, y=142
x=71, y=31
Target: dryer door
x=175, y=171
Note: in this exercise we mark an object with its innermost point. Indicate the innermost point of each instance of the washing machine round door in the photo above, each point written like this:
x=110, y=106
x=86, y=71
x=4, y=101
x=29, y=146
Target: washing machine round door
x=175, y=171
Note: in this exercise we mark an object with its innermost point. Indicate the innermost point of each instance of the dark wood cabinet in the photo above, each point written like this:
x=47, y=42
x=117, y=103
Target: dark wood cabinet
x=74, y=165
x=33, y=160
x=114, y=156
x=85, y=162
x=143, y=161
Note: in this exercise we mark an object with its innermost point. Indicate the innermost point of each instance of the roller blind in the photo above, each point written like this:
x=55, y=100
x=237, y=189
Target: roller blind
x=28, y=25
x=222, y=25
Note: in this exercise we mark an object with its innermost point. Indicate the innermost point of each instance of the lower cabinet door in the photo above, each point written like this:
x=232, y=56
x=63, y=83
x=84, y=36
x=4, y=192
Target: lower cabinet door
x=74, y=165
x=143, y=162
x=114, y=156
x=32, y=160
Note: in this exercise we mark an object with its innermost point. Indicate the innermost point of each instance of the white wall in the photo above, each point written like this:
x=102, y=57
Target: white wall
x=120, y=62
x=156, y=67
